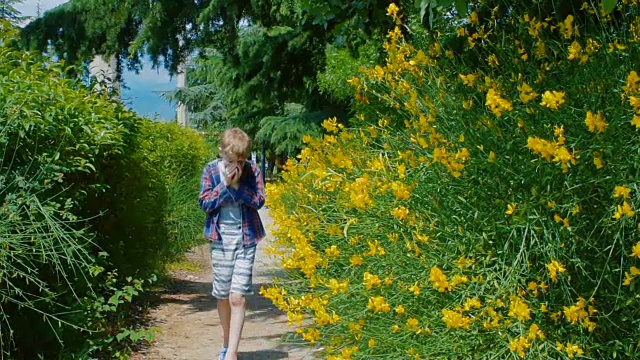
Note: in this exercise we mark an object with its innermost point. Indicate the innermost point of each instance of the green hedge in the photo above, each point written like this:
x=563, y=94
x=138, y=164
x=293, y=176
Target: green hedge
x=93, y=199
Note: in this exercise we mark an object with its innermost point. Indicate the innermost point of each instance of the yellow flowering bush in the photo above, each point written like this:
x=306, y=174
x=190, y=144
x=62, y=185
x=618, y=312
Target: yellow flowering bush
x=482, y=202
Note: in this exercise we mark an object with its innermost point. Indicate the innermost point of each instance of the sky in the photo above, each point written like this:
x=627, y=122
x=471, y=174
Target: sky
x=141, y=89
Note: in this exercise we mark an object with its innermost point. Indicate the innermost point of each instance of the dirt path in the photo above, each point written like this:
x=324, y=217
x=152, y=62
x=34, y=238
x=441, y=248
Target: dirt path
x=189, y=324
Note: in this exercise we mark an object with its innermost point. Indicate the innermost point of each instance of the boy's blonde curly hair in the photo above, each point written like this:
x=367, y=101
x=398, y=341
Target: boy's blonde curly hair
x=235, y=141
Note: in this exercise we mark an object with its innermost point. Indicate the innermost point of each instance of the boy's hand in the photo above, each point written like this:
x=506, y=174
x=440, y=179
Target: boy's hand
x=233, y=175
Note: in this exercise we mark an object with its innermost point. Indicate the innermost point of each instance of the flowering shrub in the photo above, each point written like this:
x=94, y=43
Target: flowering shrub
x=483, y=203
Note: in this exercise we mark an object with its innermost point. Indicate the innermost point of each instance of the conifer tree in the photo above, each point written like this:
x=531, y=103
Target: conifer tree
x=9, y=12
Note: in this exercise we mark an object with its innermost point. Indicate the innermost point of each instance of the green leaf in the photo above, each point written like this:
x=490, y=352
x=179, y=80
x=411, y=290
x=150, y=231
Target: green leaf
x=609, y=5
x=423, y=8
x=461, y=7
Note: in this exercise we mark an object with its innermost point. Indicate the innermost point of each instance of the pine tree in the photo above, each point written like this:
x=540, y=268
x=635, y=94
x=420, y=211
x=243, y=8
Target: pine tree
x=9, y=12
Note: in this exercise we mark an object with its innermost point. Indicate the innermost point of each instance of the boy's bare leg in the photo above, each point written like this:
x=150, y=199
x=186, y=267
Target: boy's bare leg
x=237, y=303
x=224, y=312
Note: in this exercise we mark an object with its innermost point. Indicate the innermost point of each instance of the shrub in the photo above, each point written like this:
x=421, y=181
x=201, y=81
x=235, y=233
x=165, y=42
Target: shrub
x=484, y=204
x=80, y=175
x=141, y=227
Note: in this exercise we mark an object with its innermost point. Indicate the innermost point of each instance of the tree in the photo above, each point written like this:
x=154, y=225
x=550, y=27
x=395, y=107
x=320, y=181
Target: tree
x=9, y=12
x=267, y=54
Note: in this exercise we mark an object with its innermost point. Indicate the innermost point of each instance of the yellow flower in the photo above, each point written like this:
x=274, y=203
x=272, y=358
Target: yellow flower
x=572, y=350
x=463, y=262
x=511, y=209
x=395, y=328
x=621, y=191
x=413, y=353
x=526, y=93
x=413, y=324
x=355, y=260
x=554, y=268
x=493, y=60
x=566, y=27
x=473, y=19
x=632, y=83
x=576, y=313
x=335, y=286
x=636, y=121
x=378, y=304
x=635, y=103
x=595, y=123
x=392, y=10
x=400, y=309
x=311, y=335
x=636, y=250
x=332, y=251
x=371, y=343
x=496, y=103
x=371, y=280
x=468, y=80
x=519, y=346
x=457, y=280
x=472, y=303
x=400, y=213
x=455, y=320
x=624, y=210
x=439, y=279
x=597, y=161
x=492, y=157
x=331, y=125
x=535, y=332
x=415, y=289
x=552, y=99
x=518, y=308
x=575, y=50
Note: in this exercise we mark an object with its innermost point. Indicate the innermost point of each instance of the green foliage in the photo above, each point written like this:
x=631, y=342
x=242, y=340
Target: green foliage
x=9, y=12
x=272, y=61
x=341, y=67
x=141, y=201
x=485, y=203
x=437, y=10
x=108, y=330
x=81, y=175
x=284, y=133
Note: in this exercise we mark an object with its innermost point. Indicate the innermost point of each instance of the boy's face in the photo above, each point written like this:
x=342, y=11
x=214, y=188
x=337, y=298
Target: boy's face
x=234, y=159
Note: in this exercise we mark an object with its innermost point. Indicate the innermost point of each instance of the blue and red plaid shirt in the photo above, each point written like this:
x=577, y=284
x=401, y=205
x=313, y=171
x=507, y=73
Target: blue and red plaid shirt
x=214, y=194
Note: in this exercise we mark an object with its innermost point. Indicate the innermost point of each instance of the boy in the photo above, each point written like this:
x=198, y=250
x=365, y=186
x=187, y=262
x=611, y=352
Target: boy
x=231, y=192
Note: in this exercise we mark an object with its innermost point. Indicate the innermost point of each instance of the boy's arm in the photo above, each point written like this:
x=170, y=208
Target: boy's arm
x=252, y=197
x=213, y=192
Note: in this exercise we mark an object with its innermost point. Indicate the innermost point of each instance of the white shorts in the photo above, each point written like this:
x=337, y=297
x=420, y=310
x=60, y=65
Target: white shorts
x=232, y=264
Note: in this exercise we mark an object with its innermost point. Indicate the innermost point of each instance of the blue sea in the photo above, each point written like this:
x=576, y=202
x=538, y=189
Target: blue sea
x=141, y=93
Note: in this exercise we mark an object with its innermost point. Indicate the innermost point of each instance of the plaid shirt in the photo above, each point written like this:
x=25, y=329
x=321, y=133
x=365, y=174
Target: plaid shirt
x=214, y=194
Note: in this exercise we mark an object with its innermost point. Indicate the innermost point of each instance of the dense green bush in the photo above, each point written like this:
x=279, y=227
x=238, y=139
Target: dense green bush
x=485, y=203
x=151, y=187
x=88, y=208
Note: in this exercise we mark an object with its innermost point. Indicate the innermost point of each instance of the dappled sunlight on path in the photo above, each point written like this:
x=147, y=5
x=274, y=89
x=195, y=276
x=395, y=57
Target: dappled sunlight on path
x=186, y=314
